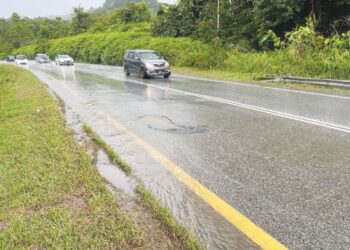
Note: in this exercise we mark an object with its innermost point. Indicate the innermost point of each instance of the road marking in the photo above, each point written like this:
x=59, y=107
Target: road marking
x=231, y=82
x=264, y=87
x=241, y=222
x=341, y=128
x=329, y=125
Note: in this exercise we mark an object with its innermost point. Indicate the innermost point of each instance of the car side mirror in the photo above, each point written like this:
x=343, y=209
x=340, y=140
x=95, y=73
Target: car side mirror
x=137, y=58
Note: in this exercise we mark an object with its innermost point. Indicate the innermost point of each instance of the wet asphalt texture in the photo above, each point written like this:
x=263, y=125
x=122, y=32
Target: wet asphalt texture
x=289, y=177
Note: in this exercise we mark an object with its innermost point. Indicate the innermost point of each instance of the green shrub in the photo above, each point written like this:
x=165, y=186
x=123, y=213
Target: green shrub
x=109, y=48
x=304, y=54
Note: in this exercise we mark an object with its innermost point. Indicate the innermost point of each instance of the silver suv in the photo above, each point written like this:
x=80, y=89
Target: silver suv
x=146, y=63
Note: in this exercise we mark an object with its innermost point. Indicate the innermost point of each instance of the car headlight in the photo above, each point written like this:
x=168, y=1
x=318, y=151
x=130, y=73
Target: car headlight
x=149, y=65
x=167, y=65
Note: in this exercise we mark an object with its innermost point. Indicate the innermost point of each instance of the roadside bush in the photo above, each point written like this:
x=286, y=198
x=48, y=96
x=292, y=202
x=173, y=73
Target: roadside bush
x=109, y=48
x=306, y=53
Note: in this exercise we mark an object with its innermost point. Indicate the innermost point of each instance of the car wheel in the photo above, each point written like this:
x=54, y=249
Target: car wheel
x=126, y=71
x=143, y=73
x=167, y=76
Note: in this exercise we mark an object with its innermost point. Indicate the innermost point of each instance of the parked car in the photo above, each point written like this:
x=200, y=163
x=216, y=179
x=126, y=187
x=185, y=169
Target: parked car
x=42, y=58
x=64, y=60
x=146, y=63
x=10, y=59
x=21, y=60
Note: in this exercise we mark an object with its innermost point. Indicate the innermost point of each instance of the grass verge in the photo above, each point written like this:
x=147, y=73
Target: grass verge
x=112, y=155
x=51, y=195
x=178, y=232
x=248, y=78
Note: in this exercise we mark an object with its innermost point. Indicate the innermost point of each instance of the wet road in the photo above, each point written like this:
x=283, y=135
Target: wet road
x=281, y=158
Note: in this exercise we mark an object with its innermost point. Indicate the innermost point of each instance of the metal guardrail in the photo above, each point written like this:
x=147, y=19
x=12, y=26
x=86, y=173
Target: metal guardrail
x=324, y=82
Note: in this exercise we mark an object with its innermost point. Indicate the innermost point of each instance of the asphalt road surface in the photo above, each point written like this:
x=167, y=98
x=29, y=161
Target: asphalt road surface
x=280, y=157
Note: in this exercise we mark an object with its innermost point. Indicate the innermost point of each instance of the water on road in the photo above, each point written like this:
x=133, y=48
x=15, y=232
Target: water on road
x=279, y=157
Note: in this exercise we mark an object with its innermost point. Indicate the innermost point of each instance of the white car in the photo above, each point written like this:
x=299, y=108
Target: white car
x=21, y=60
x=64, y=60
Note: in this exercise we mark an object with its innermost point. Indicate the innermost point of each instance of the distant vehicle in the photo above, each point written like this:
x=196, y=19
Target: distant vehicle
x=21, y=60
x=64, y=60
x=42, y=58
x=146, y=63
x=10, y=59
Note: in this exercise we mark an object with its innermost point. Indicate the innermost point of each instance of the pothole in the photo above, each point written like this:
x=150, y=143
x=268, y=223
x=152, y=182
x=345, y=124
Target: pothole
x=164, y=123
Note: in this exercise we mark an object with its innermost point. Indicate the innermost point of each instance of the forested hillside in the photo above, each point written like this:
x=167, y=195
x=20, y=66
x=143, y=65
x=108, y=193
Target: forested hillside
x=255, y=37
x=112, y=4
x=246, y=22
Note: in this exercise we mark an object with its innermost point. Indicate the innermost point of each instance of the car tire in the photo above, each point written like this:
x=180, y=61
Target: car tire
x=166, y=76
x=126, y=71
x=143, y=73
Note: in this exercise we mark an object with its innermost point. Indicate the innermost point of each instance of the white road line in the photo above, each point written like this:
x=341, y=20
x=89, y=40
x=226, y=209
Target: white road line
x=263, y=87
x=250, y=107
x=242, y=84
x=340, y=128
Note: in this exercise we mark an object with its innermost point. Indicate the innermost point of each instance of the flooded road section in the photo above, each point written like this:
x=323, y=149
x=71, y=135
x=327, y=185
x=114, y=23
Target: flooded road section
x=289, y=176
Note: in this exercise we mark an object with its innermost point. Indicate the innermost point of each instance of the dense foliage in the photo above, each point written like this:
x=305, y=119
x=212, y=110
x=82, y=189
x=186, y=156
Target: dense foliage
x=112, y=4
x=245, y=22
x=109, y=48
x=305, y=52
x=116, y=20
x=16, y=31
x=299, y=37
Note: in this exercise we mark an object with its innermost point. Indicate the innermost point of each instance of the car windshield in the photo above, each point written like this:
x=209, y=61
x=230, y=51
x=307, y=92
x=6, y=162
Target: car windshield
x=64, y=57
x=21, y=57
x=149, y=55
x=43, y=56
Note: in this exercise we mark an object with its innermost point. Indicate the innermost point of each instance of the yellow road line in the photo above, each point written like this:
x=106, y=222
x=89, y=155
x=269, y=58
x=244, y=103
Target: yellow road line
x=241, y=222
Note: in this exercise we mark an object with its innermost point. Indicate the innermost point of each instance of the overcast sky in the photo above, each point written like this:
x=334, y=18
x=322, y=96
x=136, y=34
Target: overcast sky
x=35, y=8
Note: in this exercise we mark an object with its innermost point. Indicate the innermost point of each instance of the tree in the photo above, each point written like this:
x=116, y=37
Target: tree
x=133, y=12
x=80, y=21
x=182, y=19
x=245, y=22
x=18, y=32
x=112, y=4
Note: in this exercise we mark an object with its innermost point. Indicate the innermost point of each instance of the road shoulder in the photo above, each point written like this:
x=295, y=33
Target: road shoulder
x=51, y=193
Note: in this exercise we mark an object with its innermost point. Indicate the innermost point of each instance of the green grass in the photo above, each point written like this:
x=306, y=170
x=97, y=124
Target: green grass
x=176, y=230
x=112, y=155
x=51, y=196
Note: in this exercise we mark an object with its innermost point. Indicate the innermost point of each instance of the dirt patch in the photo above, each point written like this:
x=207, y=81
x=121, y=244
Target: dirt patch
x=75, y=202
x=4, y=225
